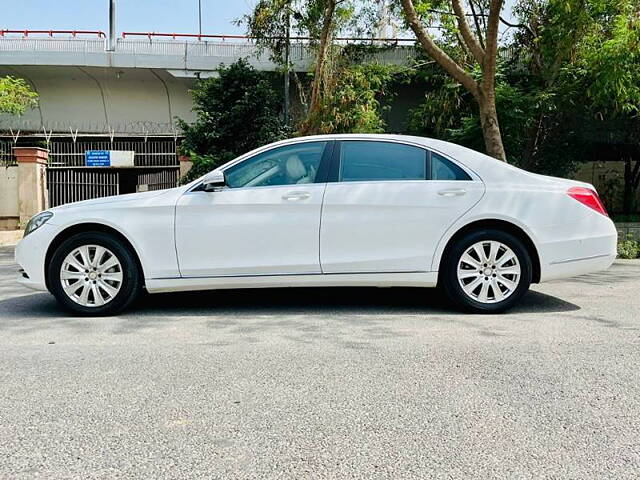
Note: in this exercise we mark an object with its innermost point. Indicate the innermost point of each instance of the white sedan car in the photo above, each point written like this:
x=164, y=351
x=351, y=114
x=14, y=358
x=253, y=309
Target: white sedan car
x=337, y=210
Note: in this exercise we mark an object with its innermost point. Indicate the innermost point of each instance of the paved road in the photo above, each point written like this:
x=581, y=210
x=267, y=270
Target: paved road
x=349, y=383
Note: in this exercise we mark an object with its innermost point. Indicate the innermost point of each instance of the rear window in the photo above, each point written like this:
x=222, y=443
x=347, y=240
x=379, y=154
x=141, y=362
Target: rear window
x=444, y=169
x=378, y=161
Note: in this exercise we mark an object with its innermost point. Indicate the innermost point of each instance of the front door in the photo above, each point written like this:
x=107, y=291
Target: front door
x=265, y=222
x=390, y=206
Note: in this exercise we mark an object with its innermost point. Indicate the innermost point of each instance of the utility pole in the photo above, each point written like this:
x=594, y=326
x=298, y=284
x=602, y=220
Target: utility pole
x=286, y=65
x=111, y=44
x=199, y=18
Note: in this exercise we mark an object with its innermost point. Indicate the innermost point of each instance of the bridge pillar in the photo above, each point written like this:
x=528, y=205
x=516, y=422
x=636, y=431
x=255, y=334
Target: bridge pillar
x=32, y=181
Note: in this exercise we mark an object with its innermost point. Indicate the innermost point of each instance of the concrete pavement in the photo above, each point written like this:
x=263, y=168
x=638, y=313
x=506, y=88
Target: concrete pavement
x=333, y=383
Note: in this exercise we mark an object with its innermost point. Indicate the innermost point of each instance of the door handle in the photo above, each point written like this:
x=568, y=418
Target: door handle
x=296, y=196
x=454, y=192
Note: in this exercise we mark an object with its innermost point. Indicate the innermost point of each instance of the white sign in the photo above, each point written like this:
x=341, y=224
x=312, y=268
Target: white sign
x=109, y=158
x=121, y=158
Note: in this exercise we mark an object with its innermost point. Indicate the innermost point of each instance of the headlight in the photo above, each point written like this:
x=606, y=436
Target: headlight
x=37, y=221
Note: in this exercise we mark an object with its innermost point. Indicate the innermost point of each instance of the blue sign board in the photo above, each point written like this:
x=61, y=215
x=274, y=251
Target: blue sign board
x=97, y=158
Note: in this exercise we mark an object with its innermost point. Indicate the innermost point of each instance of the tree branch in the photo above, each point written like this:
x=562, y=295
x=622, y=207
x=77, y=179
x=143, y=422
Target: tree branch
x=477, y=24
x=489, y=64
x=518, y=25
x=465, y=30
x=435, y=52
x=483, y=15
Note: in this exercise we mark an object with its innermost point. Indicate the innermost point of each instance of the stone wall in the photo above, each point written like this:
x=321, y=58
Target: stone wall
x=628, y=229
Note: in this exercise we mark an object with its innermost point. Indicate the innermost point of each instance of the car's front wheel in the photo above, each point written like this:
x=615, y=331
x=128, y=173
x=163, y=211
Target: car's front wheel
x=487, y=271
x=94, y=274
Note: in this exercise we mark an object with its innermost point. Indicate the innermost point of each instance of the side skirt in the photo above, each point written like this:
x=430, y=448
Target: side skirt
x=412, y=279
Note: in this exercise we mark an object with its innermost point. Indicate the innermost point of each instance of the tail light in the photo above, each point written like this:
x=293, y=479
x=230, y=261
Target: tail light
x=588, y=197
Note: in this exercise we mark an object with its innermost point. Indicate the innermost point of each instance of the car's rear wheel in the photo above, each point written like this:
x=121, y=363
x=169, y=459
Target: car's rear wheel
x=94, y=274
x=487, y=271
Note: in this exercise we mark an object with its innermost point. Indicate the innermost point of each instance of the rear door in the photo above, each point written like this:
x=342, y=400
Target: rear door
x=388, y=206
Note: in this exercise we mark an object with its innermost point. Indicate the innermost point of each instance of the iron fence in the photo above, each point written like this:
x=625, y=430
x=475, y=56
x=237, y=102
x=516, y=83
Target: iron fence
x=151, y=153
x=7, y=159
x=157, y=180
x=68, y=185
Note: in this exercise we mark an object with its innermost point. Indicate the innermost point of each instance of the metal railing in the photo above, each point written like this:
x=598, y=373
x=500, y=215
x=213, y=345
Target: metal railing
x=248, y=38
x=151, y=153
x=157, y=180
x=70, y=185
x=7, y=159
x=54, y=45
x=163, y=51
x=51, y=33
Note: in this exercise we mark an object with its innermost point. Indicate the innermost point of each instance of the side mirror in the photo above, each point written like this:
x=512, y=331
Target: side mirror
x=213, y=181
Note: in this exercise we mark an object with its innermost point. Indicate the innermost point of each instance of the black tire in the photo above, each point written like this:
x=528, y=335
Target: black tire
x=131, y=276
x=449, y=276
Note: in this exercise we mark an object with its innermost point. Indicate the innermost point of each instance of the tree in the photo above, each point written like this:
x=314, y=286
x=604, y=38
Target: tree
x=483, y=50
x=16, y=96
x=271, y=22
x=568, y=90
x=353, y=98
x=236, y=112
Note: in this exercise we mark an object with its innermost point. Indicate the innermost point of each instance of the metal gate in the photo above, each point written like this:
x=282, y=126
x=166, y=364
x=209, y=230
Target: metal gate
x=6, y=154
x=155, y=167
x=68, y=185
x=157, y=180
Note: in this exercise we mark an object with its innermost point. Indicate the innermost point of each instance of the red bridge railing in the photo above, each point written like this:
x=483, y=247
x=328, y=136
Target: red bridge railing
x=51, y=33
x=150, y=35
x=174, y=36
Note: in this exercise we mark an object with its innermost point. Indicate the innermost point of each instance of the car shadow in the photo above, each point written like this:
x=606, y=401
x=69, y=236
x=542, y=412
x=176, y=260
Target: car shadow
x=283, y=301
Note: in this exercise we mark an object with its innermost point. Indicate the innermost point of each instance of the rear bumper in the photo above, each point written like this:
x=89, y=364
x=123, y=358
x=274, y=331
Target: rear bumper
x=577, y=256
x=578, y=266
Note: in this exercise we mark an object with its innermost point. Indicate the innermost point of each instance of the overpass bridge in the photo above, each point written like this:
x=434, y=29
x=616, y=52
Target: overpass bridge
x=126, y=97
x=139, y=87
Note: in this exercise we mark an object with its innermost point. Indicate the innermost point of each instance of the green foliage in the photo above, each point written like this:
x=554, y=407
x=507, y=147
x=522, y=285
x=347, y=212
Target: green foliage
x=568, y=86
x=353, y=101
x=622, y=218
x=236, y=112
x=269, y=21
x=16, y=95
x=629, y=248
x=610, y=57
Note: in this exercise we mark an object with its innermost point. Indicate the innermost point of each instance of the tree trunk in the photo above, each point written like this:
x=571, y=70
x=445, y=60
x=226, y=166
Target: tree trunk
x=319, y=73
x=486, y=57
x=631, y=183
x=490, y=126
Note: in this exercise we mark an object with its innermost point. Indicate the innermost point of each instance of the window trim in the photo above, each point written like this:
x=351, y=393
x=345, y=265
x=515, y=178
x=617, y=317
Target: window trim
x=334, y=173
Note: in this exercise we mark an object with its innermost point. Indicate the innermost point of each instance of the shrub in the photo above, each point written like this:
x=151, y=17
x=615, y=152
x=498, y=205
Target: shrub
x=235, y=112
x=629, y=248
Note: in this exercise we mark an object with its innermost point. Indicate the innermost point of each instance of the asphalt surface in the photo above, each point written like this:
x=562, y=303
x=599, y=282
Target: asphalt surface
x=333, y=383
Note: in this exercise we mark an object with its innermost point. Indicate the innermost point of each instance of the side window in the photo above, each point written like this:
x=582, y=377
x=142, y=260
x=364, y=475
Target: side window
x=288, y=165
x=443, y=169
x=371, y=161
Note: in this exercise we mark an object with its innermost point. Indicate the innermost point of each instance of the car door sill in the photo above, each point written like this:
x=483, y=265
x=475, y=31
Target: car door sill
x=380, y=279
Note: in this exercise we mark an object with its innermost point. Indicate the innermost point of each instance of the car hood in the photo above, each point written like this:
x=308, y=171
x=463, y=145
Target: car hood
x=132, y=198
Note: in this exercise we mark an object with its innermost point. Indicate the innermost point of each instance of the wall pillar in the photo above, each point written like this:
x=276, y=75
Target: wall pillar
x=185, y=165
x=32, y=181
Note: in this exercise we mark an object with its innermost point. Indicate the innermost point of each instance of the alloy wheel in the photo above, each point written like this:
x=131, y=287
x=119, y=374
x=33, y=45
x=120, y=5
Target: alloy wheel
x=91, y=275
x=489, y=271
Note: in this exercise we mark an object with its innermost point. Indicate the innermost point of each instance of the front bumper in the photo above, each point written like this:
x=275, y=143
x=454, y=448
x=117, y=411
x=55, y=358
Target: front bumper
x=30, y=255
